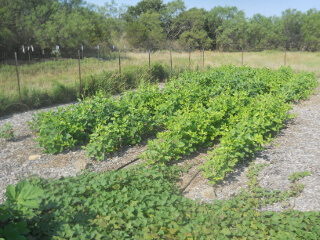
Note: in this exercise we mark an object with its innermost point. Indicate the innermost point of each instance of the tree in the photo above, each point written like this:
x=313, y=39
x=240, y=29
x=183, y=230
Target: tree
x=262, y=33
x=189, y=27
x=46, y=23
x=311, y=31
x=231, y=34
x=160, y=28
x=18, y=20
x=291, y=22
x=195, y=39
x=215, y=19
x=143, y=7
x=146, y=32
x=169, y=13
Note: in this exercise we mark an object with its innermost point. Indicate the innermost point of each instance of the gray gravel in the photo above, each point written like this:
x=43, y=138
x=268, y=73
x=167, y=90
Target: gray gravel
x=297, y=149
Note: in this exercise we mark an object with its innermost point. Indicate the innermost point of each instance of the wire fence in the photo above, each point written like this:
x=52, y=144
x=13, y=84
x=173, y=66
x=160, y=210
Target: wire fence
x=31, y=53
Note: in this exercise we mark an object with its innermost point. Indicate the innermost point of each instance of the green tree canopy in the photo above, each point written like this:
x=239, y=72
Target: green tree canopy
x=147, y=32
x=311, y=31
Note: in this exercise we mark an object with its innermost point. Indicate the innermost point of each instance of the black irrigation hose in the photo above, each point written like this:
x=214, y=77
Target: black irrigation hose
x=22, y=104
x=181, y=190
x=123, y=166
x=187, y=185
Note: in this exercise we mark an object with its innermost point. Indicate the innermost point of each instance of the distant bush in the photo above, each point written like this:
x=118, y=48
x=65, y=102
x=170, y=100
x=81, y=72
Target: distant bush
x=113, y=82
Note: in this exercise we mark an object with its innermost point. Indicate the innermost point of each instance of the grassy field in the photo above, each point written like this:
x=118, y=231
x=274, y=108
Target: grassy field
x=53, y=75
x=44, y=74
x=299, y=61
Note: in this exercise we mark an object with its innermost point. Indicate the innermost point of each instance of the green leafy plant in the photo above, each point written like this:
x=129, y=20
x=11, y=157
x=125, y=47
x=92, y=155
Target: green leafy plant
x=6, y=132
x=145, y=203
x=296, y=187
x=238, y=108
x=22, y=201
x=296, y=176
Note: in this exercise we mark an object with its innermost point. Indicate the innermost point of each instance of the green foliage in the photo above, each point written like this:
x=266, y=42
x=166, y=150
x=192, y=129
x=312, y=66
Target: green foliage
x=6, y=132
x=189, y=129
x=131, y=76
x=195, y=39
x=246, y=133
x=146, y=32
x=144, y=203
x=43, y=24
x=310, y=30
x=298, y=175
x=133, y=119
x=159, y=72
x=239, y=108
x=231, y=34
x=150, y=24
x=23, y=197
x=22, y=202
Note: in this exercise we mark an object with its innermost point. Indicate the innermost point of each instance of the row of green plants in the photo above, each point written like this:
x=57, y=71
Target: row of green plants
x=111, y=82
x=246, y=133
x=237, y=108
x=145, y=203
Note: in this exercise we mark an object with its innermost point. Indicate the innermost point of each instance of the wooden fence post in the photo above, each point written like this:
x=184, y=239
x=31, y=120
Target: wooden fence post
x=119, y=62
x=80, y=89
x=203, y=58
x=19, y=88
x=149, y=60
x=242, y=58
x=29, y=55
x=170, y=62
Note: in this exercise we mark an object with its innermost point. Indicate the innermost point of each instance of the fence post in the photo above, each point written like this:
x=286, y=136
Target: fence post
x=79, y=72
x=203, y=57
x=29, y=55
x=119, y=62
x=285, y=57
x=242, y=58
x=19, y=88
x=189, y=58
x=82, y=51
x=149, y=60
x=170, y=62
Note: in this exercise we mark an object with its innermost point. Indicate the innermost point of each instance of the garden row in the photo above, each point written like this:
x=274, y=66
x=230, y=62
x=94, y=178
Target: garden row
x=237, y=108
x=144, y=203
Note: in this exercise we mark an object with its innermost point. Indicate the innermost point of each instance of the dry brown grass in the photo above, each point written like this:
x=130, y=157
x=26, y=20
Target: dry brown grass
x=299, y=61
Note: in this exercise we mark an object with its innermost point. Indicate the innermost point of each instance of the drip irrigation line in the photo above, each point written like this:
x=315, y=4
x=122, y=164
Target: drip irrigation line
x=181, y=190
x=22, y=104
x=187, y=185
x=123, y=166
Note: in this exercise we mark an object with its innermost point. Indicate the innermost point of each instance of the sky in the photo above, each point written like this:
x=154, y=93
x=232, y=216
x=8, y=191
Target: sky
x=250, y=7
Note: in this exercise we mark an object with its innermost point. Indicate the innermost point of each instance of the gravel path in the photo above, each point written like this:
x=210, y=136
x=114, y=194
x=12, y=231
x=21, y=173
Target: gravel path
x=296, y=149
